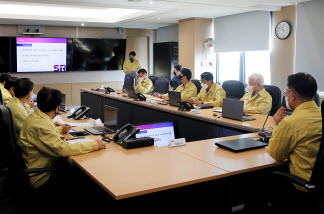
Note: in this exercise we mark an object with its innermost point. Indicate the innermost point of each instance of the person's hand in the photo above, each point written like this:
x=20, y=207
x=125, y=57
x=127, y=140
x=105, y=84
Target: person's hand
x=58, y=124
x=31, y=103
x=65, y=128
x=124, y=90
x=198, y=103
x=191, y=101
x=139, y=80
x=279, y=116
x=157, y=95
x=101, y=144
x=166, y=99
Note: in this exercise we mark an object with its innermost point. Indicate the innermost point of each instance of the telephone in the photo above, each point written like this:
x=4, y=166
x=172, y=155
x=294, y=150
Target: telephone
x=126, y=132
x=80, y=112
x=185, y=105
x=139, y=96
x=109, y=90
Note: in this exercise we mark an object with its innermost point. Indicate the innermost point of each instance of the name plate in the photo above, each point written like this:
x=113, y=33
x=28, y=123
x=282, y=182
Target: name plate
x=177, y=142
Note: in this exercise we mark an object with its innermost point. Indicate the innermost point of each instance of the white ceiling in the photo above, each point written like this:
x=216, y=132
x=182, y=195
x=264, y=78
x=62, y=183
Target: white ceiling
x=164, y=13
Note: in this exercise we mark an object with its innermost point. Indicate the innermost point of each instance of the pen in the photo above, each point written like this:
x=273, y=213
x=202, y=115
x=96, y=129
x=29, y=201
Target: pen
x=76, y=138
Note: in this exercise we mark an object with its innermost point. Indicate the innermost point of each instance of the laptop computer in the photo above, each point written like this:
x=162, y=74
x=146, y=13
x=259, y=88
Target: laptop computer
x=174, y=98
x=110, y=122
x=162, y=133
x=233, y=109
x=130, y=91
x=241, y=145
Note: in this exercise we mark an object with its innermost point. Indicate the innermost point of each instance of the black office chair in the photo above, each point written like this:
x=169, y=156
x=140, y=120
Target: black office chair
x=234, y=89
x=153, y=79
x=161, y=86
x=275, y=93
x=315, y=186
x=1, y=98
x=129, y=80
x=12, y=164
x=197, y=84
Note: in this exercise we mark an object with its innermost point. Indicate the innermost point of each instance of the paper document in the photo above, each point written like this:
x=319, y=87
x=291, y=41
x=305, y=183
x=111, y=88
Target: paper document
x=157, y=99
x=59, y=119
x=82, y=140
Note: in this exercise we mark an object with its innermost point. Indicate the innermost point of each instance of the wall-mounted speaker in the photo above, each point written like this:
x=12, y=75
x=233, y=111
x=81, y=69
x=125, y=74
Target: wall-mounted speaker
x=31, y=29
x=122, y=30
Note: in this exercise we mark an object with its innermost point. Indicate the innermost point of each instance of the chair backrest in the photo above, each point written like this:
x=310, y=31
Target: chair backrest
x=234, y=89
x=129, y=80
x=153, y=79
x=197, y=84
x=275, y=93
x=161, y=86
x=317, y=177
x=1, y=98
x=10, y=152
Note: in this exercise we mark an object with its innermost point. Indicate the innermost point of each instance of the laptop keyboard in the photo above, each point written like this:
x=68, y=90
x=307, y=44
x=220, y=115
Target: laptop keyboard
x=99, y=130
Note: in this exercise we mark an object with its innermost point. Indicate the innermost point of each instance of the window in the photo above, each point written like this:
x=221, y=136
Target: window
x=239, y=65
x=258, y=62
x=229, y=66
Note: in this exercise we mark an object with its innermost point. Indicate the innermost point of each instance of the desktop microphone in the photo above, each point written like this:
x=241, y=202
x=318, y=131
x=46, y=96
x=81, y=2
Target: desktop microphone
x=262, y=133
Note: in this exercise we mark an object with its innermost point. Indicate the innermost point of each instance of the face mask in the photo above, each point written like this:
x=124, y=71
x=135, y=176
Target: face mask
x=132, y=60
x=287, y=103
x=249, y=88
x=141, y=78
x=204, y=86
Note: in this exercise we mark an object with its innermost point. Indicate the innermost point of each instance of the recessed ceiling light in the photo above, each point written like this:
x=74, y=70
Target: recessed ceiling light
x=54, y=12
x=82, y=24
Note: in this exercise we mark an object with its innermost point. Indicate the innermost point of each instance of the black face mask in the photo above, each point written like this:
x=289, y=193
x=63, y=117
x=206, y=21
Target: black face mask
x=132, y=60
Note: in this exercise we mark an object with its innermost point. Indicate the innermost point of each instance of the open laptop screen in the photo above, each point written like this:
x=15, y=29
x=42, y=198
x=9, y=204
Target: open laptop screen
x=161, y=132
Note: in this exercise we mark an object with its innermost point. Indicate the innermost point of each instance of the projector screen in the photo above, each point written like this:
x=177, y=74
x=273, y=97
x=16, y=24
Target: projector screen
x=41, y=54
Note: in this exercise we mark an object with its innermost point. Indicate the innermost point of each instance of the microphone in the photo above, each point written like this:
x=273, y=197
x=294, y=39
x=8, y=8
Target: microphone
x=263, y=133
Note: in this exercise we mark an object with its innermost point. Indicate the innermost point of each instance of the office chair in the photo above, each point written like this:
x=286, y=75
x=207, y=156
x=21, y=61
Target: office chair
x=197, y=84
x=129, y=80
x=275, y=93
x=234, y=89
x=1, y=99
x=153, y=79
x=161, y=86
x=12, y=165
x=315, y=186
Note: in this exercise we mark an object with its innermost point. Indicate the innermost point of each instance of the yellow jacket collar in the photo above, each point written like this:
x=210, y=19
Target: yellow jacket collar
x=38, y=112
x=306, y=105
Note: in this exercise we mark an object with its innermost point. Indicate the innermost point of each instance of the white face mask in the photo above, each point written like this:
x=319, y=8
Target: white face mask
x=204, y=86
x=287, y=103
x=249, y=88
x=141, y=79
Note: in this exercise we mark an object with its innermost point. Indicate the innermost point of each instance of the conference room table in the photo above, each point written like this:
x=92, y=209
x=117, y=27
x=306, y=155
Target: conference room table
x=125, y=174
x=191, y=126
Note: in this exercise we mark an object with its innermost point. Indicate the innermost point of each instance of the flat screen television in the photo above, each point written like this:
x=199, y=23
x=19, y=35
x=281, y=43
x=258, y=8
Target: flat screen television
x=98, y=54
x=5, y=55
x=43, y=54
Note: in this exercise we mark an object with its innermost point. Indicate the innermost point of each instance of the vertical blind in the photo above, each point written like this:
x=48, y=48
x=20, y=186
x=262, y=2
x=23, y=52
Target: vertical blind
x=242, y=32
x=310, y=40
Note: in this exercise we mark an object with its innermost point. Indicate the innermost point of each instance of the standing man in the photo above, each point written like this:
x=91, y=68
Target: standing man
x=131, y=64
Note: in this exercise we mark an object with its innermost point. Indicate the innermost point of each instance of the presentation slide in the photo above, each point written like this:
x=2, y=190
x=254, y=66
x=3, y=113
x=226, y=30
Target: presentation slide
x=162, y=133
x=41, y=54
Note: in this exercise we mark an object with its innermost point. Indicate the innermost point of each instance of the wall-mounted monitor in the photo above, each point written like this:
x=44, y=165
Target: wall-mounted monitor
x=41, y=54
x=98, y=54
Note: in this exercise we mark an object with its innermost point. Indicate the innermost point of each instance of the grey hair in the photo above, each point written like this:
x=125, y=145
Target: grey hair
x=258, y=78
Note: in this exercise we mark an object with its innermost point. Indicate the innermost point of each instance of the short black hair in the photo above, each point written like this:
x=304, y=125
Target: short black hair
x=132, y=53
x=178, y=67
x=186, y=72
x=207, y=76
x=303, y=84
x=23, y=87
x=11, y=82
x=4, y=77
x=48, y=99
x=142, y=70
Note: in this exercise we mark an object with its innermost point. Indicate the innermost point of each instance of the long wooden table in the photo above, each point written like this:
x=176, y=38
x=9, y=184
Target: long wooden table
x=128, y=173
x=191, y=126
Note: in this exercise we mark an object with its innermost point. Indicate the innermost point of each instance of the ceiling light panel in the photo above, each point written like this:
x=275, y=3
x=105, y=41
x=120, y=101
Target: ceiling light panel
x=68, y=13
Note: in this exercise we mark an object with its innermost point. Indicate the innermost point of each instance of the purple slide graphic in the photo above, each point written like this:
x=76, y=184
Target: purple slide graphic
x=154, y=126
x=40, y=40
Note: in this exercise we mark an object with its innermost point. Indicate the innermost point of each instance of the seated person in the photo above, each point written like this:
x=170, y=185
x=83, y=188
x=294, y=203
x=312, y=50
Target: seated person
x=5, y=93
x=188, y=89
x=175, y=81
x=298, y=136
x=144, y=84
x=9, y=85
x=257, y=100
x=210, y=93
x=40, y=141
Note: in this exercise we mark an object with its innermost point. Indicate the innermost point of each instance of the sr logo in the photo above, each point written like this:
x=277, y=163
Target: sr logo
x=59, y=68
